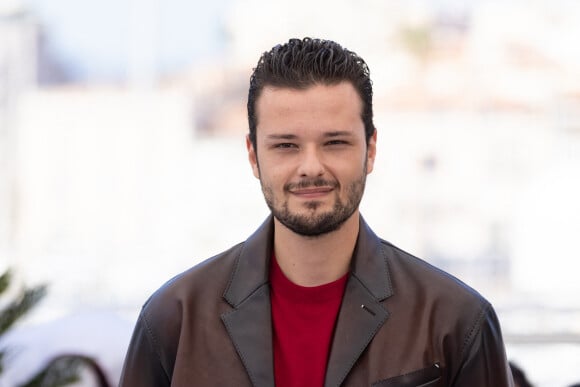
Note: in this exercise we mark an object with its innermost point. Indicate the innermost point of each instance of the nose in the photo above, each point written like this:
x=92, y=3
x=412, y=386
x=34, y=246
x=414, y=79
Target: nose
x=311, y=164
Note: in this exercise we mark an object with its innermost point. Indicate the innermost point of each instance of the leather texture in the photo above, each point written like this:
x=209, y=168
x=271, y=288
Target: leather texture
x=400, y=316
x=425, y=377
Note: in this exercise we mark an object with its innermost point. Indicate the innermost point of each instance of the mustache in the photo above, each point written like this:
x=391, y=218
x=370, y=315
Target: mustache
x=309, y=183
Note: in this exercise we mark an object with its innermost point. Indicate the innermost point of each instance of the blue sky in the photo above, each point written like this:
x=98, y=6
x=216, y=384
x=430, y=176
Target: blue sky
x=91, y=38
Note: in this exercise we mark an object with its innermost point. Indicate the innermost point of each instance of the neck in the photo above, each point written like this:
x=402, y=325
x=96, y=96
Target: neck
x=313, y=261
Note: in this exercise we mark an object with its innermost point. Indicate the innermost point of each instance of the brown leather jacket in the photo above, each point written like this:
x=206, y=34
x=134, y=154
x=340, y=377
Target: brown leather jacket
x=402, y=322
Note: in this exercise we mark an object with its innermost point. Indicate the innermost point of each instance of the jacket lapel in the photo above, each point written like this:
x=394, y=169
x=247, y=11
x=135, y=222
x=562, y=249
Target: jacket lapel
x=249, y=323
x=361, y=314
x=250, y=330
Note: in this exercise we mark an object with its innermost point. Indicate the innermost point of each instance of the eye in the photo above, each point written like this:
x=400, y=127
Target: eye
x=285, y=145
x=336, y=142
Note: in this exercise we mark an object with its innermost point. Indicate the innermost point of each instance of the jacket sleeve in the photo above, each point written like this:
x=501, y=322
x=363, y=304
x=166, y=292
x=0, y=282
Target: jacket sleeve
x=143, y=366
x=484, y=359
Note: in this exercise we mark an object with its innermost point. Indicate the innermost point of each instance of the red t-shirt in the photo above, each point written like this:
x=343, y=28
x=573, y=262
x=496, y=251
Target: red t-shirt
x=303, y=321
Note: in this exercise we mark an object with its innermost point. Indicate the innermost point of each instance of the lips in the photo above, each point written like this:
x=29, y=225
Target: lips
x=311, y=188
x=313, y=191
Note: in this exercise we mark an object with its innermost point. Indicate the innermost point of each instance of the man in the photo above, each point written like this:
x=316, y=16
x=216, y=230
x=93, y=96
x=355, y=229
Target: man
x=314, y=297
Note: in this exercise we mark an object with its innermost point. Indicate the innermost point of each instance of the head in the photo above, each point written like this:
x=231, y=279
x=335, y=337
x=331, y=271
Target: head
x=300, y=64
x=312, y=141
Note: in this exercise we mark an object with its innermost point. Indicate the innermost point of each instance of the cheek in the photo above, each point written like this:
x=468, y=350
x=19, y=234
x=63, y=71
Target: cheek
x=274, y=179
x=349, y=168
x=272, y=171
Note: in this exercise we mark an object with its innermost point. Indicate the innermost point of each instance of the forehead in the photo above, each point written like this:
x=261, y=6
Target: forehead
x=323, y=107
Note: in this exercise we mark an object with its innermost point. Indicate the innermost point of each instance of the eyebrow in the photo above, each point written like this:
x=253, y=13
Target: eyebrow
x=338, y=133
x=281, y=137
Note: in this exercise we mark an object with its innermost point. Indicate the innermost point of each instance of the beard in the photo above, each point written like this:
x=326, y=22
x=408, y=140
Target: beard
x=315, y=223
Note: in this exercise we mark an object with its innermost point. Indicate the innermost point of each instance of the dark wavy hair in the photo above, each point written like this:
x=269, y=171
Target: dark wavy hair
x=300, y=64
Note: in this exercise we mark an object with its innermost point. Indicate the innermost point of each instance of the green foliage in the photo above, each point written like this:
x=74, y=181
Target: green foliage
x=60, y=371
x=4, y=282
x=23, y=303
x=15, y=309
x=418, y=40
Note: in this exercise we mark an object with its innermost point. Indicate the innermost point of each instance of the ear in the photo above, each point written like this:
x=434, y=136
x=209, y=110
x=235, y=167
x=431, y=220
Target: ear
x=371, y=152
x=252, y=157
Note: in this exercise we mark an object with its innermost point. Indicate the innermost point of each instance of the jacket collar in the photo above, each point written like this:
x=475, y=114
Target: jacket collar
x=369, y=263
x=360, y=316
x=362, y=312
x=251, y=271
x=249, y=324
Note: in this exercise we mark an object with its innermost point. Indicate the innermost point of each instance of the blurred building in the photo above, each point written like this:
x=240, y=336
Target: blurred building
x=17, y=76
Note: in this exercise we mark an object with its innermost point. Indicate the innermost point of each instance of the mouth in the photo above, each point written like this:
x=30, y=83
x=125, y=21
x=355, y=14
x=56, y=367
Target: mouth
x=311, y=189
x=312, y=193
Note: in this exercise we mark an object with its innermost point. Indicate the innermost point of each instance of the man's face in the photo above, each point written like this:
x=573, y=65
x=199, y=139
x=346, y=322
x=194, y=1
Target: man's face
x=312, y=157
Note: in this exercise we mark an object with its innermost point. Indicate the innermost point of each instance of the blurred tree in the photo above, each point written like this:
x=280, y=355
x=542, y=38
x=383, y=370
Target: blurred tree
x=418, y=41
x=60, y=371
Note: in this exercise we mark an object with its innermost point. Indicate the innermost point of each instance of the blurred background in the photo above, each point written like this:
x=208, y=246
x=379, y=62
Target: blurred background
x=122, y=156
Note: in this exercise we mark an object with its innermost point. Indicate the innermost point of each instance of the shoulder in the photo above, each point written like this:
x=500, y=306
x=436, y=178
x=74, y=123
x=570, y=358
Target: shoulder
x=169, y=312
x=431, y=294
x=198, y=288
x=207, y=277
x=454, y=312
x=412, y=274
